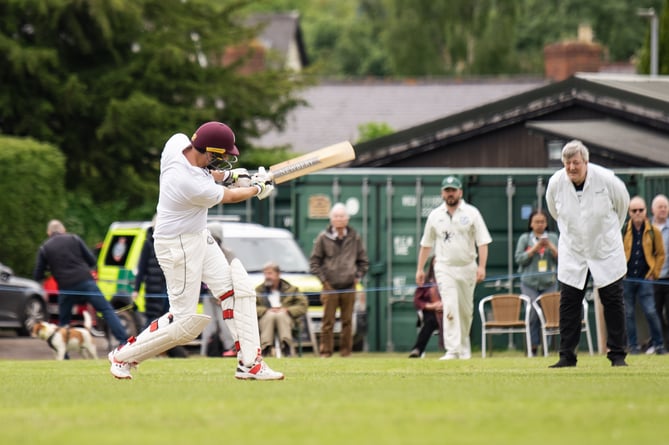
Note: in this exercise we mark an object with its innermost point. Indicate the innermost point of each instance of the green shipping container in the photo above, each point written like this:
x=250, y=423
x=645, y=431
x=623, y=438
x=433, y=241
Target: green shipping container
x=389, y=208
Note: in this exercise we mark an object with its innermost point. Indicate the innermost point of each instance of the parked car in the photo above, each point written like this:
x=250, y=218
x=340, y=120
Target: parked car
x=22, y=302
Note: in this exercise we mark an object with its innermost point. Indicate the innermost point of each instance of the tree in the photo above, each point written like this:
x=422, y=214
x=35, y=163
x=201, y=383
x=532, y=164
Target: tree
x=470, y=37
x=108, y=81
x=373, y=130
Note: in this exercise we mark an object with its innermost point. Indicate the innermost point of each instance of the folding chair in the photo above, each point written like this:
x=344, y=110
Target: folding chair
x=507, y=314
x=300, y=324
x=547, y=307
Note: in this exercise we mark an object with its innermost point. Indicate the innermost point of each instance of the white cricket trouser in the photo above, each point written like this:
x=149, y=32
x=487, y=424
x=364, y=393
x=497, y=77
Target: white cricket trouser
x=456, y=287
x=187, y=261
x=190, y=259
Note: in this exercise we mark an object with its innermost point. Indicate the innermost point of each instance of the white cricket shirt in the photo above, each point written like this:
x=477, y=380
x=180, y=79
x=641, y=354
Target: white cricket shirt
x=186, y=192
x=455, y=238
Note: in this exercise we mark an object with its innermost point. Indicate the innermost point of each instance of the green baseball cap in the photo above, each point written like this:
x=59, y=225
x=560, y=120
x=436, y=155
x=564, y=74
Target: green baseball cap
x=451, y=182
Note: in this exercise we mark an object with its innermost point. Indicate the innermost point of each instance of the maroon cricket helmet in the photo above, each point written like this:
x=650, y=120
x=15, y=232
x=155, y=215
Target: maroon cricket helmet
x=215, y=137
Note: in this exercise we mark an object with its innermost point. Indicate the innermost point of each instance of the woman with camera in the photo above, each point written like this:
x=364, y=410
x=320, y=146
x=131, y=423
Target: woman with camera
x=536, y=255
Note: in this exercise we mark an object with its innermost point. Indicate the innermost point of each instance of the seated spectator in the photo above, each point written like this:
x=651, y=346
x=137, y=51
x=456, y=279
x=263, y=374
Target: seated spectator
x=427, y=300
x=280, y=305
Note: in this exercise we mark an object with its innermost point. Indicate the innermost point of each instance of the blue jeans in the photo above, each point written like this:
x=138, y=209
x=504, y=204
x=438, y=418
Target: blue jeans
x=88, y=292
x=644, y=292
x=535, y=324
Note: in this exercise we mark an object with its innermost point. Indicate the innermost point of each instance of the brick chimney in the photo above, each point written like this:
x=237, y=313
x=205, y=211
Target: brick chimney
x=563, y=59
x=250, y=57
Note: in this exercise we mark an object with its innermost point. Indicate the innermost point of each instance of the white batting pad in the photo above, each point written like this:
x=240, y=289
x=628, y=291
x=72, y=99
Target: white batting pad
x=163, y=334
x=244, y=324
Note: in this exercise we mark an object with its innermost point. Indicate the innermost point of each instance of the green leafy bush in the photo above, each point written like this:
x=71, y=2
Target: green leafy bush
x=32, y=187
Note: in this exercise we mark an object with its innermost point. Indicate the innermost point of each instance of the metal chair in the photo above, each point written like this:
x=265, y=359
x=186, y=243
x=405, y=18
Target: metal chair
x=547, y=307
x=508, y=314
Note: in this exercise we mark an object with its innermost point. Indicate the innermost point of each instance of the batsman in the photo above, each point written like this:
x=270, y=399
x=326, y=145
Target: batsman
x=195, y=174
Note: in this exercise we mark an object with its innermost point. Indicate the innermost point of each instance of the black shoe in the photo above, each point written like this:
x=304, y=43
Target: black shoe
x=562, y=363
x=415, y=353
x=267, y=351
x=618, y=362
x=285, y=349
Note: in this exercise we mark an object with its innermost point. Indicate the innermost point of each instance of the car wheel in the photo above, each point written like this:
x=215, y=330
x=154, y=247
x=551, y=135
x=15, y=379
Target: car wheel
x=33, y=311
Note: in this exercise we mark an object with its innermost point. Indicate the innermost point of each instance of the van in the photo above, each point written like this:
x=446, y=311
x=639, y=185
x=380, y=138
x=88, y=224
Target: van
x=254, y=245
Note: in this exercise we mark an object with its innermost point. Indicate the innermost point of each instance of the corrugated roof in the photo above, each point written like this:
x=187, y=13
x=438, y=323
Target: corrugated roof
x=639, y=98
x=610, y=134
x=336, y=109
x=652, y=87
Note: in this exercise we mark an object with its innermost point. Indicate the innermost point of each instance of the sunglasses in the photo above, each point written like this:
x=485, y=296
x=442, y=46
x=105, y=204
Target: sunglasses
x=637, y=210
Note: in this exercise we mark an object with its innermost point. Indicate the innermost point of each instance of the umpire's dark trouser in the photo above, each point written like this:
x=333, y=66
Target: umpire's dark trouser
x=571, y=309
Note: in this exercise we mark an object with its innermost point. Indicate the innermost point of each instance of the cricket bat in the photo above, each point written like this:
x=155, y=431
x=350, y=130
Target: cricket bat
x=312, y=162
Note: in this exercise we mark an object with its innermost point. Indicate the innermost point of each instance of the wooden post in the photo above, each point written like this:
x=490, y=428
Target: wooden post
x=600, y=323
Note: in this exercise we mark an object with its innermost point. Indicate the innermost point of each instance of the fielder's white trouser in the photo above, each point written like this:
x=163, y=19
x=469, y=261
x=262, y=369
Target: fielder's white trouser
x=456, y=287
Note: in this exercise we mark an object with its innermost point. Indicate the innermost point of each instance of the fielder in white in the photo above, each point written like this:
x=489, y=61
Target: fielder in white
x=455, y=229
x=189, y=255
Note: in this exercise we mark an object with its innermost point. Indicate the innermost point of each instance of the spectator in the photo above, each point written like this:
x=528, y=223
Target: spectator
x=280, y=306
x=536, y=255
x=644, y=251
x=427, y=301
x=340, y=261
x=70, y=262
x=458, y=233
x=151, y=275
x=660, y=207
x=589, y=204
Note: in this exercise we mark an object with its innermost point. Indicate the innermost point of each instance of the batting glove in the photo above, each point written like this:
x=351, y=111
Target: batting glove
x=263, y=181
x=238, y=177
x=261, y=176
x=264, y=189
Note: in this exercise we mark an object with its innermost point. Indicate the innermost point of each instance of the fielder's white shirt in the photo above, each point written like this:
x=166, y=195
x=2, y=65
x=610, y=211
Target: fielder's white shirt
x=454, y=238
x=186, y=192
x=589, y=224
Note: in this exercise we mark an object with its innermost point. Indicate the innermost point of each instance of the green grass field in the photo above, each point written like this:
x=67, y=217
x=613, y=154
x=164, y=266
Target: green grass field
x=366, y=399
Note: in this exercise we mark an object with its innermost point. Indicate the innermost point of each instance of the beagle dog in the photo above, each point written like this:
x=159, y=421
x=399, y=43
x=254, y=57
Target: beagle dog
x=67, y=339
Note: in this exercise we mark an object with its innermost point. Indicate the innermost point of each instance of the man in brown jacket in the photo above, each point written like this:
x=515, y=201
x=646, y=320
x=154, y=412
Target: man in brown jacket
x=644, y=250
x=280, y=306
x=340, y=261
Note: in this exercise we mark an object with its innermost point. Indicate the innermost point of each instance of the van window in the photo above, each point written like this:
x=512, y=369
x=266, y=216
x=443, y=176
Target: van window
x=254, y=253
x=119, y=247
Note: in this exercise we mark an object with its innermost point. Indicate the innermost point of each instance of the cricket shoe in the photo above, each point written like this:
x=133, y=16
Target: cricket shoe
x=119, y=369
x=258, y=371
x=449, y=356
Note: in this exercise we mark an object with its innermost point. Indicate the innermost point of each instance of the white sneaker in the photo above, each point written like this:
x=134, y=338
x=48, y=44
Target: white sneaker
x=650, y=350
x=466, y=355
x=120, y=370
x=259, y=371
x=449, y=356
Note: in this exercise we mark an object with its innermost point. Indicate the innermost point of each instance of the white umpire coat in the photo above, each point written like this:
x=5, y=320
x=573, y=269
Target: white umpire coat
x=590, y=237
